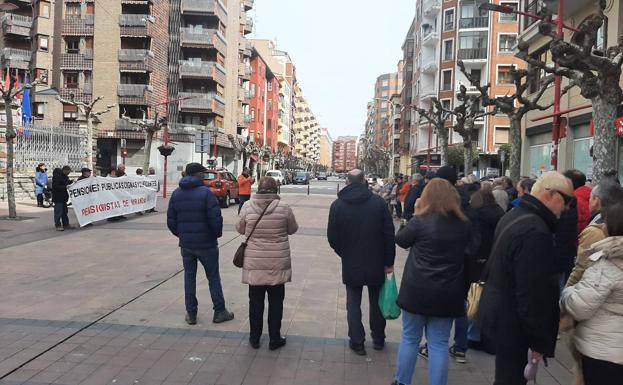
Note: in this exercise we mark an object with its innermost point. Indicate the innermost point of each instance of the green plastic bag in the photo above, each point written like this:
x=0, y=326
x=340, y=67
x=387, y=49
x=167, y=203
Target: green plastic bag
x=388, y=297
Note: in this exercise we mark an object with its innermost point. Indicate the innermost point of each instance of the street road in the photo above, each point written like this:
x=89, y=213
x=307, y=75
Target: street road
x=315, y=187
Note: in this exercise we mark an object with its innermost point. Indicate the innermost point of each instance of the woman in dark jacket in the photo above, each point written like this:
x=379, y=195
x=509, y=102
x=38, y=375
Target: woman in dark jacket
x=433, y=288
x=60, y=196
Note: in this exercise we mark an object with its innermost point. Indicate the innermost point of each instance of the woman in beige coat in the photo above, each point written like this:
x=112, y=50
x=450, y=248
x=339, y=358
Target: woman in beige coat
x=267, y=265
x=596, y=303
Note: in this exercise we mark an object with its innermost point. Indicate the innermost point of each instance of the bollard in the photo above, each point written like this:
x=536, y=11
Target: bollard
x=308, y=189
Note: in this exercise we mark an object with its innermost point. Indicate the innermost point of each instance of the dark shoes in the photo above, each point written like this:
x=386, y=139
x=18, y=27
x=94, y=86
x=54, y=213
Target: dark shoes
x=60, y=228
x=378, y=345
x=359, y=350
x=459, y=357
x=222, y=316
x=276, y=344
x=396, y=383
x=255, y=343
x=191, y=319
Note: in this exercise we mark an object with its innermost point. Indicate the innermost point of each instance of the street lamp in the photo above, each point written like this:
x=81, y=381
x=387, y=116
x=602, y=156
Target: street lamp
x=559, y=22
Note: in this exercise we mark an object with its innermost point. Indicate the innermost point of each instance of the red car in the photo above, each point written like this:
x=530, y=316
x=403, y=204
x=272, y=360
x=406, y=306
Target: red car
x=223, y=184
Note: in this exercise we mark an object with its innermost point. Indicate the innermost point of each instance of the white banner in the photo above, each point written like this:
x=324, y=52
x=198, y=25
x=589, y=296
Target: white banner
x=98, y=198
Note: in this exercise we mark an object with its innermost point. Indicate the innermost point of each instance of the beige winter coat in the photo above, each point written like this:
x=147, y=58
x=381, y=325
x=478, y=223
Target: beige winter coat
x=267, y=257
x=596, y=301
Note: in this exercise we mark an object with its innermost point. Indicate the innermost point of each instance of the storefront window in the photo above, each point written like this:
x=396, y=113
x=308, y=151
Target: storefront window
x=540, y=159
x=581, y=156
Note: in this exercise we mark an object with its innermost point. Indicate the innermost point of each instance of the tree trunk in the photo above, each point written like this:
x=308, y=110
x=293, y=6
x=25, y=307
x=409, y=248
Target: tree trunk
x=468, y=156
x=515, y=139
x=604, y=147
x=149, y=137
x=443, y=145
x=90, y=142
x=10, y=156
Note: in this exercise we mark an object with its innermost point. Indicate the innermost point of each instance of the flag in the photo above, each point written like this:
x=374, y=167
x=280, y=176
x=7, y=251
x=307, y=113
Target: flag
x=26, y=109
x=7, y=81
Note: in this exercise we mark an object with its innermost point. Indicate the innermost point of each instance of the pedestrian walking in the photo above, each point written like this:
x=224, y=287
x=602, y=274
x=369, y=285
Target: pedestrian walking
x=194, y=216
x=417, y=186
x=41, y=182
x=245, y=181
x=596, y=304
x=582, y=194
x=403, y=192
x=433, y=287
x=60, y=196
x=361, y=232
x=267, y=264
x=519, y=304
x=85, y=173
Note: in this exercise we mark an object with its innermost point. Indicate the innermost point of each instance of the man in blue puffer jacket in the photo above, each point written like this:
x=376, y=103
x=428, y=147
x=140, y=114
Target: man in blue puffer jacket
x=194, y=216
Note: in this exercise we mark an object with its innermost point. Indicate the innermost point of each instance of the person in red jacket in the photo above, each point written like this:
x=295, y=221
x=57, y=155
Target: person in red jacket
x=245, y=180
x=582, y=194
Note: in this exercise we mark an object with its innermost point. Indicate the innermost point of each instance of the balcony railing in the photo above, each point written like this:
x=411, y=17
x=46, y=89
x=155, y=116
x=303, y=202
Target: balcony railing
x=474, y=22
x=200, y=101
x=199, y=37
x=79, y=27
x=16, y=24
x=127, y=20
x=248, y=4
x=135, y=59
x=202, y=69
x=16, y=58
x=205, y=7
x=431, y=7
x=248, y=25
x=472, y=53
x=79, y=94
x=77, y=61
x=132, y=90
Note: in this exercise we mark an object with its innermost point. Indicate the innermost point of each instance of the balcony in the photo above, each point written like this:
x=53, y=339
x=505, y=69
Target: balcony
x=472, y=54
x=430, y=37
x=124, y=125
x=135, y=25
x=79, y=27
x=248, y=26
x=244, y=71
x=244, y=120
x=195, y=69
x=16, y=58
x=16, y=24
x=429, y=66
x=431, y=7
x=202, y=102
x=134, y=94
x=203, y=38
x=248, y=4
x=77, y=61
x=135, y=60
x=469, y=88
x=427, y=94
x=474, y=22
x=205, y=8
x=245, y=47
x=78, y=94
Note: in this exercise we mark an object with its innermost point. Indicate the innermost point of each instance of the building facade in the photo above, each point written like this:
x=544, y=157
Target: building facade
x=326, y=149
x=345, y=153
x=264, y=103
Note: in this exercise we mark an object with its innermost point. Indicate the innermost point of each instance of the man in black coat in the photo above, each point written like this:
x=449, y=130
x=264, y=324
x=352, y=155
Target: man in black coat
x=361, y=232
x=417, y=186
x=60, y=196
x=519, y=305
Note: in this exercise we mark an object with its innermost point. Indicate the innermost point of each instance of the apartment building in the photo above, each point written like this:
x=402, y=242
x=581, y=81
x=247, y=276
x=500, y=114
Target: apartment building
x=326, y=148
x=576, y=136
x=264, y=103
x=385, y=86
x=307, y=130
x=345, y=153
x=440, y=34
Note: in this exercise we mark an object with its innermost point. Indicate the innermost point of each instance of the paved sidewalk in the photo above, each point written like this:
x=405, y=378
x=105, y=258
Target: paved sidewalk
x=104, y=305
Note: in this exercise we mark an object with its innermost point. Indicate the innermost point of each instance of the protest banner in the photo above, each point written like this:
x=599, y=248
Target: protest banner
x=98, y=198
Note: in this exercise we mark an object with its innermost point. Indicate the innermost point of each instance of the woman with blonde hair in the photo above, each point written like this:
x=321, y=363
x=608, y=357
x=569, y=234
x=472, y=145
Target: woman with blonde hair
x=433, y=288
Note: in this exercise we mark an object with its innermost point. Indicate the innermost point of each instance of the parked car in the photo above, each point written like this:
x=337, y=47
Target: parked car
x=322, y=176
x=223, y=184
x=301, y=177
x=277, y=176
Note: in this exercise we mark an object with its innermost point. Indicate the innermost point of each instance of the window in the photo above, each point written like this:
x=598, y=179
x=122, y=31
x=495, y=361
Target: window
x=507, y=43
x=39, y=110
x=476, y=73
x=270, y=86
x=270, y=104
x=501, y=135
x=72, y=10
x=43, y=42
x=446, y=82
x=71, y=79
x=448, y=20
x=72, y=44
x=446, y=104
x=385, y=83
x=509, y=17
x=70, y=112
x=253, y=114
x=504, y=74
x=42, y=75
x=44, y=9
x=448, y=49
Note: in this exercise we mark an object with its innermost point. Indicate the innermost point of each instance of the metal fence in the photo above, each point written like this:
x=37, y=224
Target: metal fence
x=54, y=146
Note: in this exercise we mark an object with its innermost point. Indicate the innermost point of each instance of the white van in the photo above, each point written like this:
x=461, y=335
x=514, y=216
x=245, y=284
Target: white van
x=276, y=175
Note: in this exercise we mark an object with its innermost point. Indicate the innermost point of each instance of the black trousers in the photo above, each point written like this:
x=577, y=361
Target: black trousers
x=511, y=348
x=276, y=294
x=398, y=209
x=40, y=200
x=598, y=372
x=356, y=332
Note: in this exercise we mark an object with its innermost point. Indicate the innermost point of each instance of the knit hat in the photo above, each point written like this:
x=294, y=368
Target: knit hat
x=447, y=173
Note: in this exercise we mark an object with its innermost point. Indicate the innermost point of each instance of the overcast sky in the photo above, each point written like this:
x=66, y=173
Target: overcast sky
x=339, y=47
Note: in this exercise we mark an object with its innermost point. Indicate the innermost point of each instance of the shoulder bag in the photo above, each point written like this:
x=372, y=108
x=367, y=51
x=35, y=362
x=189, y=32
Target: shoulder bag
x=475, y=289
x=239, y=256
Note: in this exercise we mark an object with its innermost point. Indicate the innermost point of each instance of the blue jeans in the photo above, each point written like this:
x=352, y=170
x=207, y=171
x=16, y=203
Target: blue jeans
x=460, y=334
x=437, y=336
x=209, y=260
x=60, y=214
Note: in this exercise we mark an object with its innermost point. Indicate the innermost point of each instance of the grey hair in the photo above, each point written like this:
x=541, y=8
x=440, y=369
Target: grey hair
x=609, y=192
x=417, y=177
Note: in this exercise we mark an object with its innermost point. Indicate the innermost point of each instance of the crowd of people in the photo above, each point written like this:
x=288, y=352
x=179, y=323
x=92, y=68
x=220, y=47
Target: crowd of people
x=547, y=253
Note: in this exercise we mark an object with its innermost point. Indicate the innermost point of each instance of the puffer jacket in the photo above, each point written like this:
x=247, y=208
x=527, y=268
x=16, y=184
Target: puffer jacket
x=589, y=236
x=267, y=256
x=596, y=302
